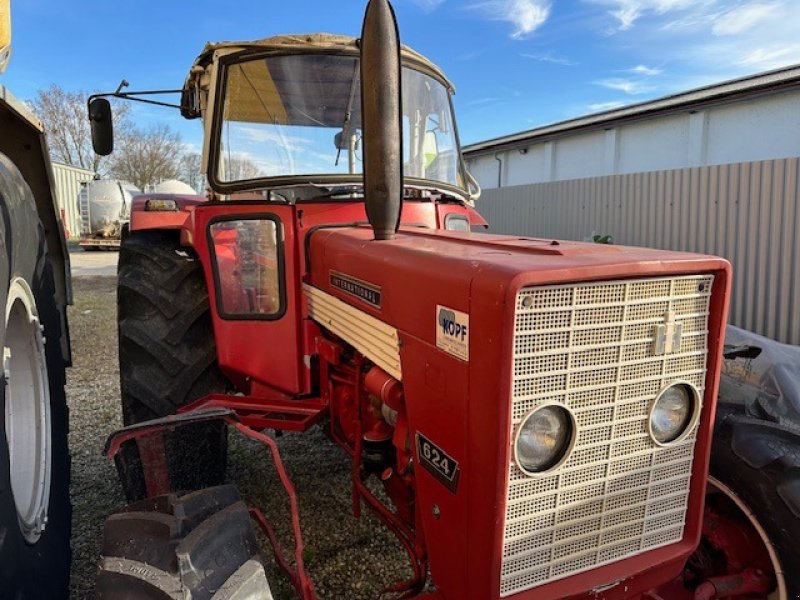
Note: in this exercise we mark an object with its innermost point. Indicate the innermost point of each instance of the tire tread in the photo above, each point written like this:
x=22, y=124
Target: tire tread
x=200, y=544
x=168, y=357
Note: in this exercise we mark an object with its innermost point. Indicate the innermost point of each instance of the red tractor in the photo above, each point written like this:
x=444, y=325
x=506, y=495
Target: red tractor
x=538, y=413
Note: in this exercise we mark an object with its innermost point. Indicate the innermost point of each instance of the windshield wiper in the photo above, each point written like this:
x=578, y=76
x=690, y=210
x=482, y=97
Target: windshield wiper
x=342, y=191
x=409, y=191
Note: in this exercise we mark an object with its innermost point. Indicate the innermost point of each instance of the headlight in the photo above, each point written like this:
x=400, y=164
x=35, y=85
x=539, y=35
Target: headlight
x=673, y=413
x=544, y=438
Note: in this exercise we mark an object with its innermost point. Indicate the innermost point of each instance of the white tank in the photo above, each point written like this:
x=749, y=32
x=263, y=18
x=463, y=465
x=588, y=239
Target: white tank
x=104, y=206
x=173, y=186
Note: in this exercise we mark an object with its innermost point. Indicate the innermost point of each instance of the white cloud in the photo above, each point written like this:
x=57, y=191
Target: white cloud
x=525, y=15
x=627, y=12
x=629, y=86
x=771, y=57
x=472, y=54
x=480, y=101
x=627, y=16
x=604, y=106
x=428, y=5
x=549, y=57
x=743, y=18
x=689, y=22
x=703, y=41
x=645, y=70
x=755, y=36
x=273, y=135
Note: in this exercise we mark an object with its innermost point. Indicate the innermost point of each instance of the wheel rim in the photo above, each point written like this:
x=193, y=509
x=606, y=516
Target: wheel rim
x=27, y=411
x=780, y=592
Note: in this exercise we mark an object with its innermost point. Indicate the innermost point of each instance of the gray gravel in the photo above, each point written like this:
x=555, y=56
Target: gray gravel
x=347, y=558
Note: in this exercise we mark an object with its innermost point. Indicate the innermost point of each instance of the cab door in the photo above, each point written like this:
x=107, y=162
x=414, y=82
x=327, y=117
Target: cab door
x=248, y=252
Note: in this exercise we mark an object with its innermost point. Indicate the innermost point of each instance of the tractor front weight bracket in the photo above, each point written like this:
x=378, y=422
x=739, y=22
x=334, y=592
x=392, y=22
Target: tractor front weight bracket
x=149, y=437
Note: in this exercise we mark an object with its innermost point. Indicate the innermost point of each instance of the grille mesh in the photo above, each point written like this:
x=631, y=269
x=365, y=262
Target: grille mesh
x=591, y=347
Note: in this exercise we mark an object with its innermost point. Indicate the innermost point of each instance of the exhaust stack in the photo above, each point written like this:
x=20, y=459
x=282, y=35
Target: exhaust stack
x=382, y=119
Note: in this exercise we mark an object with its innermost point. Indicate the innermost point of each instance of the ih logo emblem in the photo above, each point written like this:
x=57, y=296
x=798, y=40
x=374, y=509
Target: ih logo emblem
x=452, y=332
x=668, y=336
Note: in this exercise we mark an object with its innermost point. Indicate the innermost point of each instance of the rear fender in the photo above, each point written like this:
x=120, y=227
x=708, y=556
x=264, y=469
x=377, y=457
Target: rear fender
x=143, y=219
x=23, y=142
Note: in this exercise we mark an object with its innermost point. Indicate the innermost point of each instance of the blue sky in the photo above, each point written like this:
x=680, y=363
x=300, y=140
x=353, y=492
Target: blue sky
x=517, y=64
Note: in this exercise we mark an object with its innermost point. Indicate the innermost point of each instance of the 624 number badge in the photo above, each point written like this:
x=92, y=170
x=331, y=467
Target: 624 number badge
x=438, y=463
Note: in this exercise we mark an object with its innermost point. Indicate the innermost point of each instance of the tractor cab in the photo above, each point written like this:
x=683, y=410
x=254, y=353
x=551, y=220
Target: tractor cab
x=282, y=118
x=284, y=156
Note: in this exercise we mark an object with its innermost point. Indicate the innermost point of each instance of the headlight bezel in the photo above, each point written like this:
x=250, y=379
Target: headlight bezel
x=567, y=448
x=696, y=403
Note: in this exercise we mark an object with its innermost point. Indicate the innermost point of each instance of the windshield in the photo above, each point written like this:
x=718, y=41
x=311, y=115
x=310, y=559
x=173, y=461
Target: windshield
x=301, y=115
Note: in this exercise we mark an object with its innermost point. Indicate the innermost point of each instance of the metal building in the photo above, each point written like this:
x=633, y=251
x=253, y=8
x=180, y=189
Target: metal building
x=711, y=170
x=68, y=185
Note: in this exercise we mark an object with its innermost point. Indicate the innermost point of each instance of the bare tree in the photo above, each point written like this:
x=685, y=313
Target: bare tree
x=66, y=121
x=190, y=167
x=147, y=156
x=238, y=167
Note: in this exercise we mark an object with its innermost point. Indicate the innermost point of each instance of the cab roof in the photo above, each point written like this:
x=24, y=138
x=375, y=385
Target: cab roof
x=327, y=43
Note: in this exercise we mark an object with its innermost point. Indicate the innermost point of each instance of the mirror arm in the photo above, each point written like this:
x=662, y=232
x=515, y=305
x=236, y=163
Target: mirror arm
x=133, y=96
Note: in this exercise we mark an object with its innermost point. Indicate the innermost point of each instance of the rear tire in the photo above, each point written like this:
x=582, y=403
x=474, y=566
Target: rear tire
x=199, y=545
x=168, y=358
x=34, y=487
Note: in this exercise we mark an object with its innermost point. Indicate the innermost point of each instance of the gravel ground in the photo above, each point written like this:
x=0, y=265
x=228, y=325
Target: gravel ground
x=346, y=557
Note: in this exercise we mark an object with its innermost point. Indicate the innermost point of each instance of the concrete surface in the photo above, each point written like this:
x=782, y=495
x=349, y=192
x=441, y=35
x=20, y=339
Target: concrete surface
x=101, y=262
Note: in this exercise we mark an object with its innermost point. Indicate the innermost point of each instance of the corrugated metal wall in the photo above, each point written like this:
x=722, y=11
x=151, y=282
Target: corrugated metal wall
x=68, y=184
x=747, y=212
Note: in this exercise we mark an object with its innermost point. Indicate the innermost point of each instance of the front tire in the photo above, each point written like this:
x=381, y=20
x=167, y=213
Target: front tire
x=35, y=510
x=766, y=491
x=168, y=358
x=199, y=545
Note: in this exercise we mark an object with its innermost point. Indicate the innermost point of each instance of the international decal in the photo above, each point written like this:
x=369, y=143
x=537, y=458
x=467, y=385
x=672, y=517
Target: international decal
x=364, y=291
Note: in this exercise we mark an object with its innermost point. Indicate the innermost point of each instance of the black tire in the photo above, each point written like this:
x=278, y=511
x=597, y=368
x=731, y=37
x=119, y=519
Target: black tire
x=168, y=358
x=38, y=569
x=199, y=545
x=756, y=453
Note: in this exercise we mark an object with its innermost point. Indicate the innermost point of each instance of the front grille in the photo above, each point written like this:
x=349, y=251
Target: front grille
x=591, y=347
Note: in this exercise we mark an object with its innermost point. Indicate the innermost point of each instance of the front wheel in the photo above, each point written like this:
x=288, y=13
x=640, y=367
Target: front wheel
x=752, y=521
x=199, y=545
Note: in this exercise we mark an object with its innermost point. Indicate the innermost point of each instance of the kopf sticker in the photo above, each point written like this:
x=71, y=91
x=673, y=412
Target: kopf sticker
x=452, y=332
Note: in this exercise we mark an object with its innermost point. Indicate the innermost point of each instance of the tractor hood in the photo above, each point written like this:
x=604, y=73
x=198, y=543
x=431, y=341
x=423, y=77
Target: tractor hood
x=419, y=261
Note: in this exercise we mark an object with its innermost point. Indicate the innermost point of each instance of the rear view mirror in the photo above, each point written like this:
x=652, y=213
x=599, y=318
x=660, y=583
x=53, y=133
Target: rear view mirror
x=340, y=142
x=102, y=126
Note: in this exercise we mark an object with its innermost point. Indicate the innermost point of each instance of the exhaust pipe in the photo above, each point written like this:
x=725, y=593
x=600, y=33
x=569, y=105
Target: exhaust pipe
x=382, y=119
